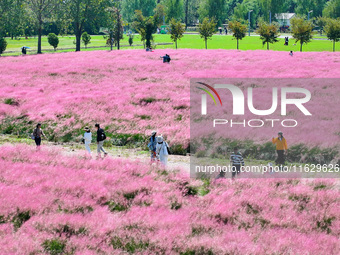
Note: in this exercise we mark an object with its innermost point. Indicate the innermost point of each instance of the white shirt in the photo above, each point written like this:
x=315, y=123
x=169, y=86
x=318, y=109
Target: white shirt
x=88, y=137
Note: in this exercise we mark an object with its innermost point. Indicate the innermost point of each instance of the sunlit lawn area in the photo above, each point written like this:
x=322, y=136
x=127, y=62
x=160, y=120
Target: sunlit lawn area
x=192, y=41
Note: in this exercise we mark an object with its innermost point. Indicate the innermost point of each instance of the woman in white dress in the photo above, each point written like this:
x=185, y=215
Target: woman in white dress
x=162, y=150
x=87, y=139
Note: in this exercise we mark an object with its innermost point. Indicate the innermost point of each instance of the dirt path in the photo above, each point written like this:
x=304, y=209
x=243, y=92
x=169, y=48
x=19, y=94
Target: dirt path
x=71, y=149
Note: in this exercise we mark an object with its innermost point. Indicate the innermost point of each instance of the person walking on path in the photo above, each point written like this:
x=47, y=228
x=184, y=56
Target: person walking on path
x=236, y=161
x=37, y=134
x=281, y=148
x=152, y=145
x=162, y=150
x=87, y=139
x=101, y=137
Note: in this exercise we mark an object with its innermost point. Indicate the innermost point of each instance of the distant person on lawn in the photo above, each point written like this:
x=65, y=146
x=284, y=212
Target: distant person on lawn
x=281, y=148
x=236, y=161
x=152, y=145
x=162, y=150
x=87, y=139
x=37, y=134
x=101, y=137
x=291, y=53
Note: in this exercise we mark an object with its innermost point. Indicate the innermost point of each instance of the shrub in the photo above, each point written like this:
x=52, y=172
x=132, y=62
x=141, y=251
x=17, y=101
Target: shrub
x=3, y=45
x=86, y=38
x=53, y=40
x=11, y=101
x=54, y=246
x=20, y=218
x=130, y=39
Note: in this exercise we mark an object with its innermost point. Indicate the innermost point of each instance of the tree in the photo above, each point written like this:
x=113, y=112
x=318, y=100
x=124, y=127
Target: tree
x=268, y=33
x=12, y=17
x=86, y=38
x=130, y=39
x=332, y=30
x=206, y=29
x=129, y=7
x=3, y=45
x=116, y=27
x=82, y=12
x=302, y=30
x=53, y=40
x=174, y=9
x=191, y=14
x=145, y=26
x=332, y=9
x=213, y=9
x=239, y=30
x=304, y=6
x=41, y=9
x=321, y=22
x=176, y=30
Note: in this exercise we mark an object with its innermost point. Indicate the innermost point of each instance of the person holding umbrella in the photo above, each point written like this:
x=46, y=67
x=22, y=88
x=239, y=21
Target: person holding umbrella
x=24, y=50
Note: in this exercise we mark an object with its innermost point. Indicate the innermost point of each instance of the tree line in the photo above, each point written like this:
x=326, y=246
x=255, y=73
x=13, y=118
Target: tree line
x=41, y=17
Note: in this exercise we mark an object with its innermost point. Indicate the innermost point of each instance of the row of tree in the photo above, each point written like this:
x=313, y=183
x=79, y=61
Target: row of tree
x=77, y=16
x=302, y=30
x=31, y=17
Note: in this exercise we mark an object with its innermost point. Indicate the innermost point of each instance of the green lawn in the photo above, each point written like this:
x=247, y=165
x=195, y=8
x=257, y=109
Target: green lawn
x=192, y=41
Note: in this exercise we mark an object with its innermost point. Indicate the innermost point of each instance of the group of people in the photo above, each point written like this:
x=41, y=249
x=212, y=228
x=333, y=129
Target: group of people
x=159, y=148
x=225, y=30
x=101, y=137
x=286, y=41
x=38, y=133
x=237, y=160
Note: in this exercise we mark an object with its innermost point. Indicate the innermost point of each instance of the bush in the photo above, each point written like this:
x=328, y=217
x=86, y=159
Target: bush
x=53, y=40
x=130, y=40
x=3, y=45
x=54, y=246
x=86, y=39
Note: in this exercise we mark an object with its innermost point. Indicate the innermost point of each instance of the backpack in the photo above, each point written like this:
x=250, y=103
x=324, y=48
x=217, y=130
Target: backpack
x=102, y=135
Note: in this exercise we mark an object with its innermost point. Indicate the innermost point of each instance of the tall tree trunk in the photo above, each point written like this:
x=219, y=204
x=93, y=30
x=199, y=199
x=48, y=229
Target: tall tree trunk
x=39, y=35
x=118, y=31
x=186, y=13
x=333, y=45
x=267, y=45
x=301, y=46
x=176, y=44
x=206, y=44
x=78, y=38
x=237, y=43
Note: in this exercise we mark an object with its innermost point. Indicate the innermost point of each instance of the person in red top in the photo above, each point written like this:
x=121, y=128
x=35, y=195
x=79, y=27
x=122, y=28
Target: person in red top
x=281, y=148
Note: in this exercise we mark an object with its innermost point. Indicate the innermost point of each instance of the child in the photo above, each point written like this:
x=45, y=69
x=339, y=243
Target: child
x=291, y=53
x=236, y=161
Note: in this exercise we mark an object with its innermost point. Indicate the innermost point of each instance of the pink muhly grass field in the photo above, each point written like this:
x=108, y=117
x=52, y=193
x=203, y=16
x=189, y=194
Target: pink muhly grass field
x=117, y=206
x=132, y=91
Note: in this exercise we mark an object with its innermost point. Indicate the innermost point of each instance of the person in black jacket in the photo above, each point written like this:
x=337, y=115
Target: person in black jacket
x=100, y=140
